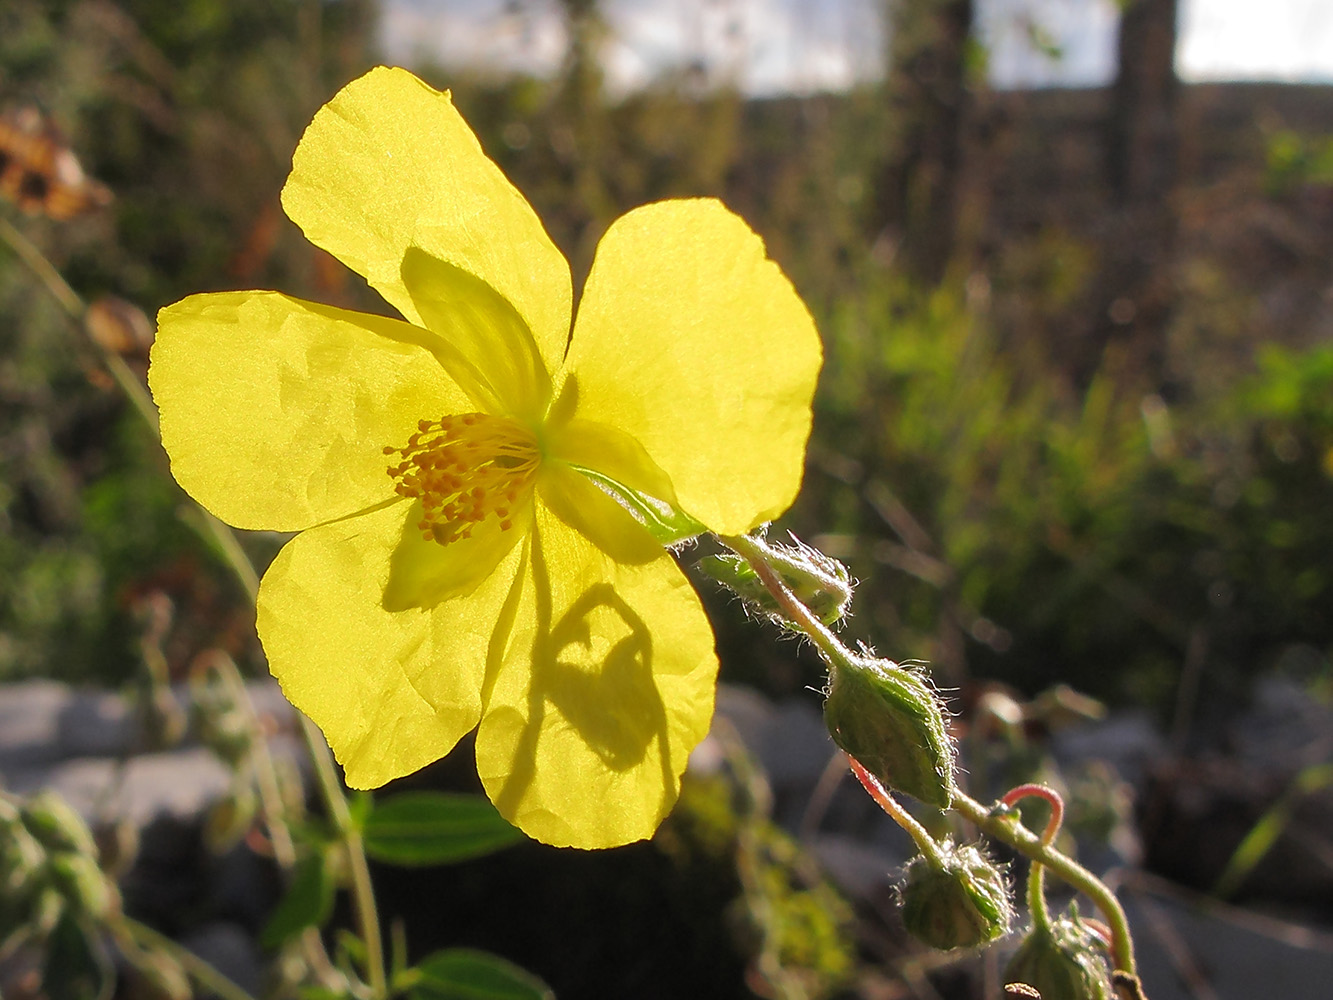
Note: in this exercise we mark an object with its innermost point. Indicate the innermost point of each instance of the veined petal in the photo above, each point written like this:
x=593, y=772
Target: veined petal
x=603, y=448
x=484, y=343
x=606, y=686
x=692, y=341
x=392, y=691
x=388, y=164
x=276, y=411
x=422, y=572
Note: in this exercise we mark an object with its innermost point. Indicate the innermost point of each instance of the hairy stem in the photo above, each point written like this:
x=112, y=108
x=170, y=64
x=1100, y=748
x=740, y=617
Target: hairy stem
x=884, y=799
x=1002, y=827
x=1027, y=843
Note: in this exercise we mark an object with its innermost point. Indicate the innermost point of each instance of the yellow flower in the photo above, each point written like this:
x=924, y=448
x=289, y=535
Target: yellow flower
x=456, y=567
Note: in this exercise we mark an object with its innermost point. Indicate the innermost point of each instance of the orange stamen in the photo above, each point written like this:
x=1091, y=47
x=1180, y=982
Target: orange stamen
x=465, y=468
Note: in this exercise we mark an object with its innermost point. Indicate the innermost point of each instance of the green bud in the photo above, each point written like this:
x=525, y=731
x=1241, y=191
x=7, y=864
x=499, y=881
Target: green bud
x=84, y=886
x=820, y=583
x=1062, y=963
x=890, y=719
x=56, y=825
x=21, y=857
x=961, y=904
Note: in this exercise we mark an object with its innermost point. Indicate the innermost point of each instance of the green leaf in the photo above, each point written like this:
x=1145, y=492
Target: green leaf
x=465, y=974
x=308, y=902
x=434, y=828
x=359, y=806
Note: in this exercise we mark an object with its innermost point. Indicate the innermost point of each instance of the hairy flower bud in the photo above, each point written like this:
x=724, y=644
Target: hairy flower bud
x=56, y=825
x=960, y=904
x=890, y=719
x=819, y=582
x=1061, y=963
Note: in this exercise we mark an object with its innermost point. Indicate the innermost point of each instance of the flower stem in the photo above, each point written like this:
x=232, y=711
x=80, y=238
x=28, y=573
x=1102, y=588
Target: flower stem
x=756, y=554
x=1004, y=828
x=1041, y=916
x=207, y=977
x=1036, y=849
x=884, y=799
x=363, y=892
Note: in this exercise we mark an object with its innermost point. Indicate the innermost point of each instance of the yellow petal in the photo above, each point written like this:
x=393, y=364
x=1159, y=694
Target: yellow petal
x=608, y=450
x=484, y=343
x=691, y=340
x=422, y=572
x=388, y=164
x=606, y=687
x=275, y=411
x=392, y=691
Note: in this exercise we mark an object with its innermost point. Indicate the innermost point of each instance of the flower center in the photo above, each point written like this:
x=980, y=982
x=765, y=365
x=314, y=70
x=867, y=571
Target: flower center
x=464, y=469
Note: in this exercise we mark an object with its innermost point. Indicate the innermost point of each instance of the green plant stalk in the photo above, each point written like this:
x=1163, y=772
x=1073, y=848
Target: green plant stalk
x=363, y=892
x=1028, y=844
x=1265, y=833
x=996, y=825
x=1041, y=916
x=755, y=553
x=207, y=977
x=925, y=843
x=1036, y=895
x=330, y=786
x=275, y=812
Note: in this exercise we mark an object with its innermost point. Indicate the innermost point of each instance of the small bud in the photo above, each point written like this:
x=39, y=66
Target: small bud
x=1062, y=963
x=119, y=327
x=891, y=720
x=230, y=818
x=963, y=904
x=84, y=886
x=820, y=583
x=56, y=825
x=22, y=862
x=222, y=726
x=21, y=857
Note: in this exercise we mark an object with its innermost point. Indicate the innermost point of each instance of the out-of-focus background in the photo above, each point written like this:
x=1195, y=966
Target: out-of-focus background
x=1072, y=261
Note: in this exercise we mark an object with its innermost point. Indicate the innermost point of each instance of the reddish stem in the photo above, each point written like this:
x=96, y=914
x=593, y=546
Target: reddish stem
x=1052, y=798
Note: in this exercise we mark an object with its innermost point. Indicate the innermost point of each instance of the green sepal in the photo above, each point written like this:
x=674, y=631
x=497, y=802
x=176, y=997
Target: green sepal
x=822, y=584
x=667, y=524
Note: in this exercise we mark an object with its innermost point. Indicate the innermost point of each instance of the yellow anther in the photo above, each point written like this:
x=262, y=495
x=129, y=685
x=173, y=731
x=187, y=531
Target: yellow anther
x=464, y=468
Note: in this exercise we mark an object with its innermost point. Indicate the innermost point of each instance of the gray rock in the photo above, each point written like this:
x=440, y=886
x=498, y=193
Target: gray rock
x=230, y=950
x=182, y=783
x=30, y=723
x=96, y=724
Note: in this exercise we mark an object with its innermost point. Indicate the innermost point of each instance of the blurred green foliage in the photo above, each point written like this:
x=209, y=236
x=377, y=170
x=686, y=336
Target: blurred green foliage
x=1294, y=159
x=1084, y=538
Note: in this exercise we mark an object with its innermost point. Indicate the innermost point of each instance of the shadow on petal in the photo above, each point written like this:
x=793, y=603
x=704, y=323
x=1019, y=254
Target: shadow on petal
x=593, y=669
x=422, y=572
